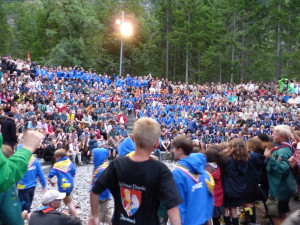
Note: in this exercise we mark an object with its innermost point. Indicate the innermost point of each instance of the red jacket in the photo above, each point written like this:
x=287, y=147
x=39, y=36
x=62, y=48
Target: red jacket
x=218, y=189
x=124, y=118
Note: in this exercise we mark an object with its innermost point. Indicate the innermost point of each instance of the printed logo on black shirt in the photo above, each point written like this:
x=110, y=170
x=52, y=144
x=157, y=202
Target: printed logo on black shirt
x=131, y=200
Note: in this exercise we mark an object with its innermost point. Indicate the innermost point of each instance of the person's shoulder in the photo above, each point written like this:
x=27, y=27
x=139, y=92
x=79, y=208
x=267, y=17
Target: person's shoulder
x=177, y=172
x=285, y=150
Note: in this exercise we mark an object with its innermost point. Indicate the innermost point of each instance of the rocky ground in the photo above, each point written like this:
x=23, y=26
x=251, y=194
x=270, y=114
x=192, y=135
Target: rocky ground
x=80, y=195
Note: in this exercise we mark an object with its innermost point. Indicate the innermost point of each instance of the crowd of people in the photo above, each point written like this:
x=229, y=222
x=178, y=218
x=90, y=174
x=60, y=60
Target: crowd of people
x=64, y=103
x=79, y=111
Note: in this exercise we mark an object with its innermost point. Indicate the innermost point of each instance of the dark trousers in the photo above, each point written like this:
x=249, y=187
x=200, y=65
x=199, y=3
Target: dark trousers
x=26, y=197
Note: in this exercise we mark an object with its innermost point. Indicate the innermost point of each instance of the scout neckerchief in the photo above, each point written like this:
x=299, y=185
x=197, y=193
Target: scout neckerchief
x=46, y=209
x=194, y=177
x=62, y=166
x=99, y=168
x=206, y=138
x=283, y=145
x=31, y=161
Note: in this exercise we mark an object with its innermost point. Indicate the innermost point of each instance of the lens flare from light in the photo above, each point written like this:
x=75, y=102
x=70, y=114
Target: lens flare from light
x=126, y=29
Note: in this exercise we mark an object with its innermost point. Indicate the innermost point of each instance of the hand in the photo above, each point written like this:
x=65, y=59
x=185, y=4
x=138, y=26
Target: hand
x=293, y=162
x=32, y=140
x=93, y=220
x=65, y=212
x=267, y=153
x=52, y=183
x=25, y=214
x=44, y=190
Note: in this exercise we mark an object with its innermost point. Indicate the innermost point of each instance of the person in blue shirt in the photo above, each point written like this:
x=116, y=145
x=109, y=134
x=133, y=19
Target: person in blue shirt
x=26, y=186
x=60, y=74
x=84, y=76
x=192, y=126
x=43, y=72
x=145, y=83
x=126, y=147
x=168, y=120
x=128, y=80
x=65, y=170
x=193, y=182
x=97, y=78
x=100, y=156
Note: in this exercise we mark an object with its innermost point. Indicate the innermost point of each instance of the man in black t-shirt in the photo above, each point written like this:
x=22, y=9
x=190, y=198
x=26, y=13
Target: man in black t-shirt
x=138, y=183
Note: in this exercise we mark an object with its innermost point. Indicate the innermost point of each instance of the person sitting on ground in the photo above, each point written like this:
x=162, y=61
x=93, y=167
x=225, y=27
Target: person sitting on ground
x=122, y=119
x=48, y=213
x=92, y=142
x=123, y=132
x=74, y=152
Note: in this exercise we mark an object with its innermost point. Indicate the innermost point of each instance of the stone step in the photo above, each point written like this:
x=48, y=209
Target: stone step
x=130, y=123
x=165, y=155
x=46, y=166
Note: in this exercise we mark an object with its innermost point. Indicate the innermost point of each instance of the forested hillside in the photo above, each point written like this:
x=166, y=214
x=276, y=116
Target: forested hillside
x=193, y=40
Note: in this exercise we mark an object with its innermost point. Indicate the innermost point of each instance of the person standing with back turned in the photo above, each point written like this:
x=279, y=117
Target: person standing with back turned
x=138, y=183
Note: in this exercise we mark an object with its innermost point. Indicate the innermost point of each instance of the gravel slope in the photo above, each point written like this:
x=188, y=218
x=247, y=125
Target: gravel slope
x=80, y=194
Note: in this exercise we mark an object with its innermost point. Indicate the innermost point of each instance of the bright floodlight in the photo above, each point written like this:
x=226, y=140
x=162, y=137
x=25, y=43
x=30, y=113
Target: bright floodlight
x=118, y=22
x=126, y=29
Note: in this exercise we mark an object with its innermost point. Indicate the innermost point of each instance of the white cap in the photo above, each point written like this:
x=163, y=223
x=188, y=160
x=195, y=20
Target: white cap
x=298, y=146
x=52, y=195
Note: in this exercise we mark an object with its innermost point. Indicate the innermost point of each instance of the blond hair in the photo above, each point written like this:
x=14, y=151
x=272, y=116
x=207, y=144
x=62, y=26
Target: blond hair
x=146, y=133
x=284, y=131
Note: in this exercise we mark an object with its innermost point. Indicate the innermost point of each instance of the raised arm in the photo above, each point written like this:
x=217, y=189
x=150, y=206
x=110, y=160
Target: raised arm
x=14, y=168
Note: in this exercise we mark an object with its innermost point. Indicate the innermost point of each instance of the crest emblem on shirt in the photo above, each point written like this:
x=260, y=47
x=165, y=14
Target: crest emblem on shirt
x=131, y=200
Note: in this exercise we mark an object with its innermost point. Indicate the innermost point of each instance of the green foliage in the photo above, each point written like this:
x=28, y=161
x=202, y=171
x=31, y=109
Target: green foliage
x=221, y=37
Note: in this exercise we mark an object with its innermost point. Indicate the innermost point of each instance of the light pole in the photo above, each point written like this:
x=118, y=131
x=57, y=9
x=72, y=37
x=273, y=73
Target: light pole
x=126, y=30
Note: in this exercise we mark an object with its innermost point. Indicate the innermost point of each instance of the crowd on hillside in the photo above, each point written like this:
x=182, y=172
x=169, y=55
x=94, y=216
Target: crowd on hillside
x=67, y=102
x=79, y=110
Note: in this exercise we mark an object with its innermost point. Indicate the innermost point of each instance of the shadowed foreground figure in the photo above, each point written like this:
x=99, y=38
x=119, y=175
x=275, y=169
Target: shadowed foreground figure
x=138, y=183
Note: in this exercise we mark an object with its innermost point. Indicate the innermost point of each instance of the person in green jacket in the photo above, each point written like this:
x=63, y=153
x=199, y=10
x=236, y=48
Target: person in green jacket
x=10, y=206
x=281, y=180
x=14, y=168
x=285, y=85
